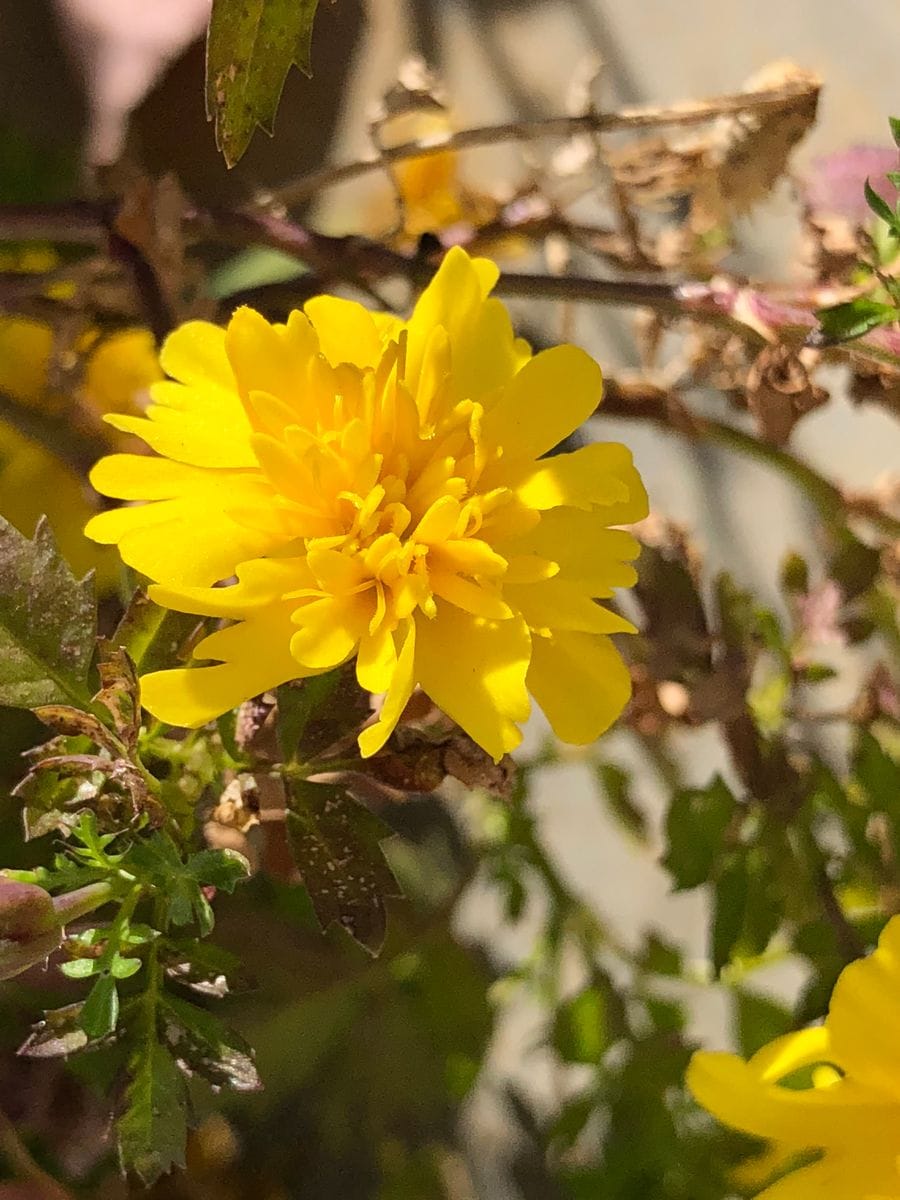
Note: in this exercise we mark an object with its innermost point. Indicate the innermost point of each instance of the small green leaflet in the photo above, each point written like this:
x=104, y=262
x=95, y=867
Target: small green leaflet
x=852, y=319
x=47, y=623
x=250, y=47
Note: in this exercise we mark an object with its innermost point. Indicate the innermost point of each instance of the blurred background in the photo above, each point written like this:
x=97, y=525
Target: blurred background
x=443, y=1070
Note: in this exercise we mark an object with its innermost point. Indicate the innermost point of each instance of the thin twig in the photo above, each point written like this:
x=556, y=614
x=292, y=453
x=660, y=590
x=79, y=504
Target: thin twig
x=633, y=118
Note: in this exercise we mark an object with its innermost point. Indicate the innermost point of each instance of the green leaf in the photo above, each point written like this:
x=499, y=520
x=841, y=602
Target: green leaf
x=881, y=207
x=759, y=1021
x=250, y=47
x=57, y=1035
x=616, y=785
x=854, y=565
x=895, y=129
x=223, y=869
x=100, y=1011
x=730, y=910
x=579, y=1030
x=853, y=318
x=877, y=773
x=158, y=861
x=659, y=956
x=80, y=968
x=336, y=846
x=152, y=636
x=297, y=704
x=47, y=623
x=695, y=827
x=152, y=1131
x=209, y=1048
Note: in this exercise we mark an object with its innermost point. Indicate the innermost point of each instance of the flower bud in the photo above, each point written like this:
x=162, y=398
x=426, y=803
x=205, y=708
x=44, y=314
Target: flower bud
x=30, y=929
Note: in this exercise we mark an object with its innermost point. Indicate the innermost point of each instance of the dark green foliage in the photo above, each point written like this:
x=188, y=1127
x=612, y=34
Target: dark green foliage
x=47, y=623
x=336, y=844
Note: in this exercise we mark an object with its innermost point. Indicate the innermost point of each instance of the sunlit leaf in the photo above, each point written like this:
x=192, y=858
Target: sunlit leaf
x=250, y=48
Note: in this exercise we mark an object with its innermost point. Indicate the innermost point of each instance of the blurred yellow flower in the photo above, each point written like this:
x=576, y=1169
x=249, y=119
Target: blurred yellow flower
x=378, y=488
x=32, y=479
x=850, y=1108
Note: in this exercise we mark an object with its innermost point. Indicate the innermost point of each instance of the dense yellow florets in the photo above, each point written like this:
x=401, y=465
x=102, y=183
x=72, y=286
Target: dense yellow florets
x=379, y=489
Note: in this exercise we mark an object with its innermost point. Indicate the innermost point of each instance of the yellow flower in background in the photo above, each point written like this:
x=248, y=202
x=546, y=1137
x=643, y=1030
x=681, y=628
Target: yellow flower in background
x=850, y=1111
x=378, y=488
x=429, y=188
x=33, y=480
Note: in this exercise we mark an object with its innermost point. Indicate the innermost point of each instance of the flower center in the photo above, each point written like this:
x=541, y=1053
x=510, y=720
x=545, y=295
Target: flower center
x=380, y=481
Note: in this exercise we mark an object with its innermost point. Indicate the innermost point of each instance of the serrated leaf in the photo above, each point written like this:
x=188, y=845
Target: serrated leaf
x=335, y=843
x=852, y=319
x=250, y=48
x=209, y=1048
x=157, y=859
x=223, y=869
x=206, y=969
x=47, y=623
x=152, y=1131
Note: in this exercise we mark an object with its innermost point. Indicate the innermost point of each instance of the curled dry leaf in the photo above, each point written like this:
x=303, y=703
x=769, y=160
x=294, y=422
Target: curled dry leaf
x=780, y=392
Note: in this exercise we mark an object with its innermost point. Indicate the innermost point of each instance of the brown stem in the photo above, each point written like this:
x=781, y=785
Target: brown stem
x=525, y=131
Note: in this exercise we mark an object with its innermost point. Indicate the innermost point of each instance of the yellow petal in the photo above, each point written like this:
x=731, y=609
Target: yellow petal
x=257, y=654
x=330, y=630
x=792, y=1052
x=376, y=661
x=844, y=1115
x=260, y=582
x=271, y=358
x=549, y=398
x=557, y=604
x=580, y=682
x=347, y=333
x=469, y=596
x=600, y=474
x=122, y=367
x=195, y=354
x=189, y=539
x=475, y=670
x=862, y=1018
x=401, y=688
x=206, y=428
x=485, y=353
x=587, y=551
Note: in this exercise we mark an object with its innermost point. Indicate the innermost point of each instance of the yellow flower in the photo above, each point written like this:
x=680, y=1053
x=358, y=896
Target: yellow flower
x=379, y=490
x=851, y=1110
x=32, y=479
